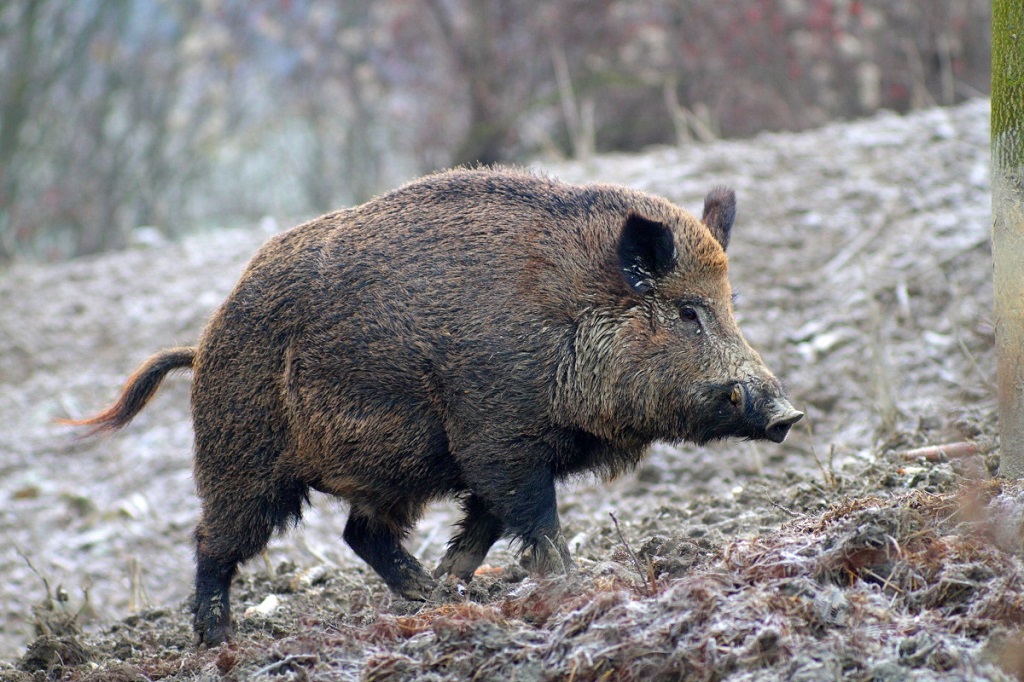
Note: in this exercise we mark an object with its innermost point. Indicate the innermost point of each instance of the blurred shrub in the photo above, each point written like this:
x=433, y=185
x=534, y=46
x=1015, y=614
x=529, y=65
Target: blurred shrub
x=115, y=115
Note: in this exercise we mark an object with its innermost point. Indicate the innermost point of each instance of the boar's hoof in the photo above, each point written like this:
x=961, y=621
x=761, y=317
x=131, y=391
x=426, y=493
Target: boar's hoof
x=212, y=629
x=212, y=616
x=547, y=556
x=778, y=428
x=462, y=565
x=215, y=635
x=415, y=586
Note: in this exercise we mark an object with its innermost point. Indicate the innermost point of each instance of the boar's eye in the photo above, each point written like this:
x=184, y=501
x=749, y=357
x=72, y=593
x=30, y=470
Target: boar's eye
x=688, y=313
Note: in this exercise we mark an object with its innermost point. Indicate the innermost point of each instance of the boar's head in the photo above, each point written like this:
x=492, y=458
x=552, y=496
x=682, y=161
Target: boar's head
x=667, y=360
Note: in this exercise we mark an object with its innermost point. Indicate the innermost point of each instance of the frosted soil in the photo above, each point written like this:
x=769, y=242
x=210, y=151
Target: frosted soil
x=861, y=257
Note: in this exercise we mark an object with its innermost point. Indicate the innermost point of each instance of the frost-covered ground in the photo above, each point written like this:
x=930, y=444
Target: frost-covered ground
x=862, y=261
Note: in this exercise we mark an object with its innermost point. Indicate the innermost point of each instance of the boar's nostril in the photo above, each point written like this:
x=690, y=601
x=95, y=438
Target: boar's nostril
x=778, y=428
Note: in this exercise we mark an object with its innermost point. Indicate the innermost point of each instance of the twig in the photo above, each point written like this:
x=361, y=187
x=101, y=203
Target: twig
x=940, y=453
x=318, y=555
x=955, y=293
x=885, y=396
x=52, y=614
x=862, y=240
x=287, y=660
x=772, y=502
x=649, y=589
x=885, y=581
x=138, y=598
x=829, y=475
x=46, y=583
x=974, y=363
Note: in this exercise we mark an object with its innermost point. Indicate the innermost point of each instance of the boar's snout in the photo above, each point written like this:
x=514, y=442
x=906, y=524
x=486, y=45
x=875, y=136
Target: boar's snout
x=778, y=428
x=767, y=415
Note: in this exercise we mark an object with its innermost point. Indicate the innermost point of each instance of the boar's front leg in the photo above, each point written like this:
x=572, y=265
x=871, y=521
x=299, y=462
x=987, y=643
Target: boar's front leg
x=480, y=529
x=378, y=541
x=545, y=550
x=519, y=489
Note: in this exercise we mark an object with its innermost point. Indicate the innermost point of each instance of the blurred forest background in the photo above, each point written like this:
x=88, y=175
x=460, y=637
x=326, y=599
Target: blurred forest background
x=177, y=114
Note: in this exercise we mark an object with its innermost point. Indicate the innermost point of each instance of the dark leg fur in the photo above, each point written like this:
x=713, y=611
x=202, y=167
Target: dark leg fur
x=528, y=507
x=212, y=607
x=379, y=543
x=548, y=555
x=534, y=520
x=223, y=542
x=467, y=550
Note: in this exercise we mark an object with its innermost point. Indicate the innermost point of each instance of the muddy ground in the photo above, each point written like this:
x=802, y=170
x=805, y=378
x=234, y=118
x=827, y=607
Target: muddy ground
x=862, y=261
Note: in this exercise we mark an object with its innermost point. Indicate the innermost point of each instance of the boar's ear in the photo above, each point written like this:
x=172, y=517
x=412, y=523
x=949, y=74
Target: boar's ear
x=646, y=252
x=719, y=212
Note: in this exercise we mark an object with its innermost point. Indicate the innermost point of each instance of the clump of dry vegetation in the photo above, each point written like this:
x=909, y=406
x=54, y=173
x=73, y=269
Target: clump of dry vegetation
x=925, y=581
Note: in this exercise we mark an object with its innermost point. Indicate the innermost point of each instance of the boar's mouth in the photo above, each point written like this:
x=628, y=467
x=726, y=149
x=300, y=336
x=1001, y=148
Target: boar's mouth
x=740, y=410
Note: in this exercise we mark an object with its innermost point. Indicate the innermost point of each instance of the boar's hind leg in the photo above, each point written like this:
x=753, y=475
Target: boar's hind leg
x=234, y=527
x=378, y=541
x=212, y=606
x=466, y=551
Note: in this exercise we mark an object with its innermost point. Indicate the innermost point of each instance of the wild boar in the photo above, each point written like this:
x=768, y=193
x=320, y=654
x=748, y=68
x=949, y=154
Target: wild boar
x=477, y=334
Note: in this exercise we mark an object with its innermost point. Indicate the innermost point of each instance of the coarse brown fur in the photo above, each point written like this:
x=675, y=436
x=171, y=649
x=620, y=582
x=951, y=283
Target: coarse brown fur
x=476, y=333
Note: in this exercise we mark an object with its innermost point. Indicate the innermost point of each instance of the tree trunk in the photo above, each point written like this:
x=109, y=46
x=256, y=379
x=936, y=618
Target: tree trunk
x=1008, y=226
x=477, y=62
x=15, y=96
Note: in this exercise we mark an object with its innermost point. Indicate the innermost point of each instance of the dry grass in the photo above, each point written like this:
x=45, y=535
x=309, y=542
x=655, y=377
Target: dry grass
x=872, y=587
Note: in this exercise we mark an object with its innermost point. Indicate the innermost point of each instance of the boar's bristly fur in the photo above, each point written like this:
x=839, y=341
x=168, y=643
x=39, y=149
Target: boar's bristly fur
x=476, y=333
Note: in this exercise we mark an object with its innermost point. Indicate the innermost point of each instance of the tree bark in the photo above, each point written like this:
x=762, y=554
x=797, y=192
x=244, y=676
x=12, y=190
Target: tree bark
x=1008, y=226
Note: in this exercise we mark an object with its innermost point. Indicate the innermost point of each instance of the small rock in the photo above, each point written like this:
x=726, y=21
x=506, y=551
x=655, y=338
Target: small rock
x=264, y=608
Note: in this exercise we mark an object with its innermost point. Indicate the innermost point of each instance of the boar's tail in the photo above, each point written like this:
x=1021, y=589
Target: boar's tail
x=137, y=391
